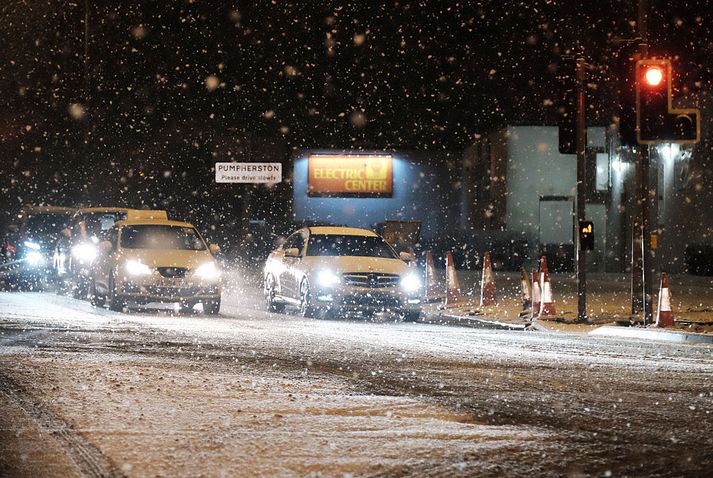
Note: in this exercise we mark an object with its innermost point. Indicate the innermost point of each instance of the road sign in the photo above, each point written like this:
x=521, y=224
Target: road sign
x=253, y=173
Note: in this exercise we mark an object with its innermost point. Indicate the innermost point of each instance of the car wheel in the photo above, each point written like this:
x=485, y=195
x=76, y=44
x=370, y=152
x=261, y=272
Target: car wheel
x=270, y=302
x=94, y=298
x=410, y=316
x=79, y=288
x=116, y=303
x=186, y=307
x=212, y=307
x=306, y=308
x=64, y=286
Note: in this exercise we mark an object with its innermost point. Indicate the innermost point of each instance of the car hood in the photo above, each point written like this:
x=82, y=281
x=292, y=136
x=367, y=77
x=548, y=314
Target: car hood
x=342, y=264
x=167, y=258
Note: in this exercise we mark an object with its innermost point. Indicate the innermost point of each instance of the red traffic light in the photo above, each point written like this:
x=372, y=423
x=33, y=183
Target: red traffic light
x=656, y=120
x=653, y=76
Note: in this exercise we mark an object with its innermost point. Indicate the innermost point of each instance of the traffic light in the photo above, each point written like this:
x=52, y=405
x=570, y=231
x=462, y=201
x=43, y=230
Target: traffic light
x=586, y=236
x=656, y=120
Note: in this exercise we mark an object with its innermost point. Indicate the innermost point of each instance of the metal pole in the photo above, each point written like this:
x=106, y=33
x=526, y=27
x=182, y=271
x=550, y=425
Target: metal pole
x=646, y=259
x=641, y=230
x=581, y=175
x=87, y=178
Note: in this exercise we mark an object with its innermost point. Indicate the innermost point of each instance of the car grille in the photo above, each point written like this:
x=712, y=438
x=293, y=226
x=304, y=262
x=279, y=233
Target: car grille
x=173, y=271
x=172, y=291
x=373, y=280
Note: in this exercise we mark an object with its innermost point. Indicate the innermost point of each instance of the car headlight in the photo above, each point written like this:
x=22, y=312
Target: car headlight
x=34, y=258
x=85, y=253
x=327, y=278
x=32, y=245
x=411, y=282
x=136, y=268
x=208, y=271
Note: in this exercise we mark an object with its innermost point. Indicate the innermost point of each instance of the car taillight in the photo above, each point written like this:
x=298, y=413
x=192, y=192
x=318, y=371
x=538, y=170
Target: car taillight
x=10, y=248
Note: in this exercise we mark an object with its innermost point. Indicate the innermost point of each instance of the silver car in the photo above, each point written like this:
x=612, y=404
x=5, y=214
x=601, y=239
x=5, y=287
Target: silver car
x=332, y=269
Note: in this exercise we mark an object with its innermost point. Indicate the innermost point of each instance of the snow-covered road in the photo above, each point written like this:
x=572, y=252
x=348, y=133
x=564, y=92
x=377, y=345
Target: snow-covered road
x=247, y=393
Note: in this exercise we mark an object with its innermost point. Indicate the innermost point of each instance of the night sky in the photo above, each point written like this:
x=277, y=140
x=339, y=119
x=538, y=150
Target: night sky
x=171, y=87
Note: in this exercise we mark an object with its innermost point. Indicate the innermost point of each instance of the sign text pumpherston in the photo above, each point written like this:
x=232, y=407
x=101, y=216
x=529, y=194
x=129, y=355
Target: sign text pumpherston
x=248, y=173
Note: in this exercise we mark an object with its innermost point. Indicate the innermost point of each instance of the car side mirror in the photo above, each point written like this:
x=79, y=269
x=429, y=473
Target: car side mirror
x=66, y=232
x=105, y=246
x=407, y=257
x=292, y=252
x=214, y=249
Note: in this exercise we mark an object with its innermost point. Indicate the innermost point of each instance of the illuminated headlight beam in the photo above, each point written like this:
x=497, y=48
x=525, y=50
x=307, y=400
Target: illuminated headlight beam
x=411, y=282
x=327, y=278
x=34, y=258
x=32, y=245
x=208, y=271
x=136, y=268
x=85, y=253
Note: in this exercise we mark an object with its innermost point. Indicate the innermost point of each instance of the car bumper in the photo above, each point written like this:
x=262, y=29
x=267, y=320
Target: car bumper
x=169, y=291
x=366, y=299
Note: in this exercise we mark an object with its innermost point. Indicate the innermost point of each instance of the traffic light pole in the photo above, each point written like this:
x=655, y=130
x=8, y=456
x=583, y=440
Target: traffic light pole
x=641, y=258
x=581, y=175
x=647, y=261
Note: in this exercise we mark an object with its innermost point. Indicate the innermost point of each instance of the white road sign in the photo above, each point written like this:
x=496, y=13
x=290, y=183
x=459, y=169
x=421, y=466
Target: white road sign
x=248, y=173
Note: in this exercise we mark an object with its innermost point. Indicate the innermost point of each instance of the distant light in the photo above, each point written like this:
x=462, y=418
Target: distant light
x=654, y=76
x=669, y=151
x=32, y=245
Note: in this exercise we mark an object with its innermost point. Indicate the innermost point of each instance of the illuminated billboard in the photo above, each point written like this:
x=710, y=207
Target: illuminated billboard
x=338, y=175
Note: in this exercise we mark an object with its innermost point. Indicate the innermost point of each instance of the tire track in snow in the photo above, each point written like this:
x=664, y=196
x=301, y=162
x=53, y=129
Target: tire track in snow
x=87, y=457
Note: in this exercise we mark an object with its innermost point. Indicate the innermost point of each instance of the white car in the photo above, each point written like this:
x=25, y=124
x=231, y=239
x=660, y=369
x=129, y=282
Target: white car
x=155, y=260
x=329, y=269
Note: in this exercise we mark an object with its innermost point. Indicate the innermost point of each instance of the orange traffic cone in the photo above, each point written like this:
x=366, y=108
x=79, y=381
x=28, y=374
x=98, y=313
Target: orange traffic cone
x=547, y=305
x=431, y=290
x=526, y=293
x=453, y=295
x=487, y=284
x=664, y=314
x=536, y=294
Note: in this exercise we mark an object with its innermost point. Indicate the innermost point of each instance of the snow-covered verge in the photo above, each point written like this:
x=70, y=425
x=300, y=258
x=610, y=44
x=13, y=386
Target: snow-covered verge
x=608, y=301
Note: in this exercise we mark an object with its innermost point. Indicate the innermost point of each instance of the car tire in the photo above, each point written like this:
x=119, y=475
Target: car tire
x=94, y=298
x=212, y=307
x=116, y=303
x=410, y=316
x=186, y=307
x=306, y=308
x=79, y=288
x=64, y=286
x=270, y=302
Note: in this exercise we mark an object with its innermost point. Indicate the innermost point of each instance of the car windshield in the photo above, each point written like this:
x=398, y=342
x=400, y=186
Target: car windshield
x=161, y=237
x=98, y=222
x=45, y=224
x=347, y=245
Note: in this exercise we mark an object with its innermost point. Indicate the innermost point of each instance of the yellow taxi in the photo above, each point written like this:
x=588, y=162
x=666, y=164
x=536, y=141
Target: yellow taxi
x=145, y=260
